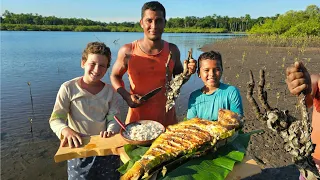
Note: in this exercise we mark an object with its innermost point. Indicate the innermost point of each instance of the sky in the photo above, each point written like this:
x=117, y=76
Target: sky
x=129, y=10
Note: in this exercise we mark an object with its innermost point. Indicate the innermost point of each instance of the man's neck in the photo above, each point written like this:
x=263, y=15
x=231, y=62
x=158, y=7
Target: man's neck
x=151, y=47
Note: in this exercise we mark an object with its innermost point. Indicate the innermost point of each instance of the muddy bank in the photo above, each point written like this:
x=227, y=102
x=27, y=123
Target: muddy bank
x=239, y=56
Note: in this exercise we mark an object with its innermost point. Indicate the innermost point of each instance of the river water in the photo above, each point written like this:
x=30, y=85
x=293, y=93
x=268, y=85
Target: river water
x=45, y=60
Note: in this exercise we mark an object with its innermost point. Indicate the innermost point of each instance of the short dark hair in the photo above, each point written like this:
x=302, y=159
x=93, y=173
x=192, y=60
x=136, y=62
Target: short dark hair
x=96, y=48
x=211, y=55
x=154, y=6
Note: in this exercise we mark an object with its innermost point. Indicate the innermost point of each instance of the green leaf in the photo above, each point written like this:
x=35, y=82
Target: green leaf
x=199, y=168
x=224, y=162
x=235, y=155
x=133, y=150
x=135, y=153
x=241, y=142
x=215, y=165
x=124, y=168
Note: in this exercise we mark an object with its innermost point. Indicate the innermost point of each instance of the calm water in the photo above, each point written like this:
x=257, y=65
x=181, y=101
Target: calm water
x=46, y=60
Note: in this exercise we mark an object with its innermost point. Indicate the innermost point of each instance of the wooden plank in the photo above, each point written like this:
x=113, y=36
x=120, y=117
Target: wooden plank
x=246, y=168
x=123, y=155
x=92, y=146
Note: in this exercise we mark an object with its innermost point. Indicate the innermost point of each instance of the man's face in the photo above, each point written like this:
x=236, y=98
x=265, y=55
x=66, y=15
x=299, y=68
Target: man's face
x=153, y=24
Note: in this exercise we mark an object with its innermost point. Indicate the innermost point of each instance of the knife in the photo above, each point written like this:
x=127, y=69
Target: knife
x=150, y=94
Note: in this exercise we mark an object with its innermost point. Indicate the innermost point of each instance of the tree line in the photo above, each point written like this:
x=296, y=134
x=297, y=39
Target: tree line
x=220, y=23
x=290, y=24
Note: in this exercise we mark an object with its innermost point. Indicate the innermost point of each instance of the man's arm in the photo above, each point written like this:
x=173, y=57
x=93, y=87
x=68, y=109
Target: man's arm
x=315, y=84
x=177, y=69
x=120, y=67
x=118, y=70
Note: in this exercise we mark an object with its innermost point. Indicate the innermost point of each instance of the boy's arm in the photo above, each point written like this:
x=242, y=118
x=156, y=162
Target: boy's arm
x=192, y=111
x=114, y=110
x=60, y=111
x=236, y=102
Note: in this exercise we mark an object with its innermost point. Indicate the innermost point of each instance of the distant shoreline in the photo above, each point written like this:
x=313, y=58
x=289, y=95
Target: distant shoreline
x=79, y=28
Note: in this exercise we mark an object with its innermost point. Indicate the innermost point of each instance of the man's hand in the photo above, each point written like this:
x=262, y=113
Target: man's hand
x=71, y=137
x=133, y=100
x=298, y=79
x=192, y=66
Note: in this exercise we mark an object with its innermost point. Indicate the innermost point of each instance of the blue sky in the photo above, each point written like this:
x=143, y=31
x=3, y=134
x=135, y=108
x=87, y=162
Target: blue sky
x=129, y=10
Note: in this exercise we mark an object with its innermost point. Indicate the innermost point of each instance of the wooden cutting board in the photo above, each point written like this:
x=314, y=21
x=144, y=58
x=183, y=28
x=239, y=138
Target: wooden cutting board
x=246, y=168
x=92, y=146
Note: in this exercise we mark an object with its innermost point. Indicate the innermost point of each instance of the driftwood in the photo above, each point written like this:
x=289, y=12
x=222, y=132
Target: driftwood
x=173, y=87
x=295, y=133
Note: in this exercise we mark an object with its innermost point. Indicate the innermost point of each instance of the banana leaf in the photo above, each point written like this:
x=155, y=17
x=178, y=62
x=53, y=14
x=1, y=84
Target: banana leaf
x=214, y=165
x=134, y=152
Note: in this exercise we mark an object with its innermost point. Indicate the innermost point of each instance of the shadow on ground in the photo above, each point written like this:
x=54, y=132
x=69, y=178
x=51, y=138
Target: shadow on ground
x=282, y=173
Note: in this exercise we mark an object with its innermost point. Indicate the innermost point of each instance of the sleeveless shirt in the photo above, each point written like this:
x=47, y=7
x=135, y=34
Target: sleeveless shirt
x=315, y=135
x=147, y=72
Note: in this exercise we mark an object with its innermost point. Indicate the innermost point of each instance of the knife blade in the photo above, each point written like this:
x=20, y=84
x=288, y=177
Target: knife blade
x=150, y=94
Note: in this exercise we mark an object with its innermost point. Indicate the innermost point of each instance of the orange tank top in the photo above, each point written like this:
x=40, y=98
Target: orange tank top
x=147, y=72
x=315, y=135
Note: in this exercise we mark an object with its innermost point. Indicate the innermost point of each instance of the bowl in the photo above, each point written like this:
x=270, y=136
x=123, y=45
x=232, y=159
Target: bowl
x=134, y=127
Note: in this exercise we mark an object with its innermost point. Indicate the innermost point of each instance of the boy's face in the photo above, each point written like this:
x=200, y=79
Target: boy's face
x=153, y=24
x=95, y=67
x=210, y=72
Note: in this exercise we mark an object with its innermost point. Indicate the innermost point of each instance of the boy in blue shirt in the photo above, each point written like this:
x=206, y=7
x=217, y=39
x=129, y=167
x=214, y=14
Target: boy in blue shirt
x=204, y=103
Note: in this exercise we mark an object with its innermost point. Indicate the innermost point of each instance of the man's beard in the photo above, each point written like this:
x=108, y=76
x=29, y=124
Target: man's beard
x=155, y=38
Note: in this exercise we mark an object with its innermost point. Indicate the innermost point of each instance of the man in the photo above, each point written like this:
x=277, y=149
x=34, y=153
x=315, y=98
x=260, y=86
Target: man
x=299, y=80
x=145, y=60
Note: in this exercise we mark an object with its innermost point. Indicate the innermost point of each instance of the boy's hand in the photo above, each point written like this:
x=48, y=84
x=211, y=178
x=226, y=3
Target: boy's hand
x=71, y=137
x=298, y=79
x=106, y=134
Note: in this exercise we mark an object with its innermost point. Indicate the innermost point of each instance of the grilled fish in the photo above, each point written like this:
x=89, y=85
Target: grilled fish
x=182, y=138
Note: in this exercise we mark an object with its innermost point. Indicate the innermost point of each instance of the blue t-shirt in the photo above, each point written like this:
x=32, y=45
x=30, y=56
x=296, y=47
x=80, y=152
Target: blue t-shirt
x=206, y=106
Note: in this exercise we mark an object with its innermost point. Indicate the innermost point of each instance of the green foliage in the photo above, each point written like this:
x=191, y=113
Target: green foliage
x=135, y=153
x=192, y=24
x=196, y=30
x=309, y=28
x=285, y=41
x=215, y=165
x=292, y=24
